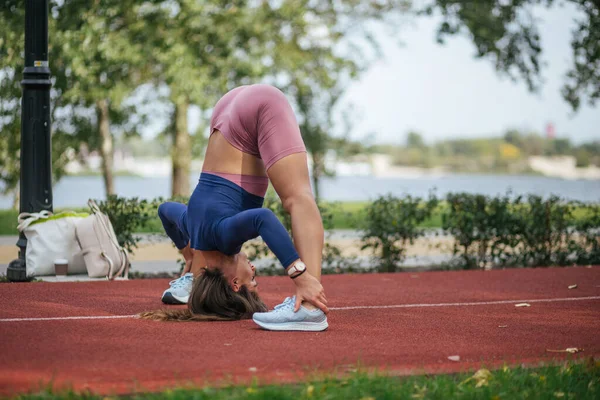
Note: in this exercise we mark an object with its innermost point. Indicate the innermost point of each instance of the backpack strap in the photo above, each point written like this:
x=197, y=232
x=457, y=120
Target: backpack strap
x=93, y=206
x=111, y=265
x=109, y=231
x=124, y=268
x=25, y=219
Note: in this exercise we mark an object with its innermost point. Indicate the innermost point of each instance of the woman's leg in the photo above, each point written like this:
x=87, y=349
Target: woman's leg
x=291, y=181
x=171, y=215
x=284, y=155
x=194, y=217
x=174, y=219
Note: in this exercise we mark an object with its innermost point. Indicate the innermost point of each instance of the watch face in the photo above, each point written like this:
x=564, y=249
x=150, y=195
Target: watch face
x=298, y=267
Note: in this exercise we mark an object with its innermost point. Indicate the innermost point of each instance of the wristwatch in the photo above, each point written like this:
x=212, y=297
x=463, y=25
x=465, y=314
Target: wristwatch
x=297, y=269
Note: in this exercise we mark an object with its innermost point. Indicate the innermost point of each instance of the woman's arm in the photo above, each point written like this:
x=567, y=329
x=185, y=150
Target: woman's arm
x=249, y=224
x=238, y=229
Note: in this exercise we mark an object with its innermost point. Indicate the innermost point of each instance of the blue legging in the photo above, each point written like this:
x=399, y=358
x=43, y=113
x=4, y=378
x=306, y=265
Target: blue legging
x=226, y=232
x=174, y=219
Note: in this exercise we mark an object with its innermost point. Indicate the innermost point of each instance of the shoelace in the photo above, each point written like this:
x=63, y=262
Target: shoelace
x=287, y=303
x=182, y=281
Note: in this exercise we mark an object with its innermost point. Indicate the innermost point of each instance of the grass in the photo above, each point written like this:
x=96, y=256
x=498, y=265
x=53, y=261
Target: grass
x=8, y=222
x=570, y=381
x=345, y=215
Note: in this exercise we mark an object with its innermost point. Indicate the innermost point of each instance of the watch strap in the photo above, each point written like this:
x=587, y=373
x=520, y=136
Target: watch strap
x=298, y=274
x=297, y=269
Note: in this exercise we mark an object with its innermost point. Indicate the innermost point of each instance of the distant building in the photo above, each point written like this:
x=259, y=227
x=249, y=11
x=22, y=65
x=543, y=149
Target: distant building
x=564, y=167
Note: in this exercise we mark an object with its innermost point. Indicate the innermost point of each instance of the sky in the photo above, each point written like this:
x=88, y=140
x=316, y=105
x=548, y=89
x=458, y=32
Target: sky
x=443, y=92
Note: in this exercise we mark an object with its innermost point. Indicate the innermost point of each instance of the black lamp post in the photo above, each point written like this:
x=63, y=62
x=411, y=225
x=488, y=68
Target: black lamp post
x=36, y=146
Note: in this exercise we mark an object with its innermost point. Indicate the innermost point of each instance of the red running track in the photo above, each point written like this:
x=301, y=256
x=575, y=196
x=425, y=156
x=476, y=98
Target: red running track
x=433, y=315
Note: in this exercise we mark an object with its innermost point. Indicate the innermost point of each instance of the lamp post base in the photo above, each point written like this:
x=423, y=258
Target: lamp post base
x=16, y=271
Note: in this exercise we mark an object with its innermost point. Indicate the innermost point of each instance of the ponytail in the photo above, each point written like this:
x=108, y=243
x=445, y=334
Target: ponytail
x=212, y=299
x=178, y=315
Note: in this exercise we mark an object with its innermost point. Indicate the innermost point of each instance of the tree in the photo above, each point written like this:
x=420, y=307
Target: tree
x=514, y=137
x=93, y=70
x=196, y=52
x=415, y=140
x=199, y=50
x=100, y=67
x=345, y=147
x=10, y=125
x=12, y=17
x=506, y=32
x=561, y=146
x=313, y=51
x=582, y=158
x=315, y=109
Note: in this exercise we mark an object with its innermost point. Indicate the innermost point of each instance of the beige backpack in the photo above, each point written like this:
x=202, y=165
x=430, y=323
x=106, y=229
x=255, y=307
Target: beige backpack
x=103, y=255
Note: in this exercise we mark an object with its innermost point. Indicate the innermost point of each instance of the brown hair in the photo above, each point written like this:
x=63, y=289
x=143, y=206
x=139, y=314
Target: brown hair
x=212, y=299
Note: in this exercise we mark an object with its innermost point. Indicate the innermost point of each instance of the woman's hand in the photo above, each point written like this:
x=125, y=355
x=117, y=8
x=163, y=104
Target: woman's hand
x=187, y=268
x=309, y=289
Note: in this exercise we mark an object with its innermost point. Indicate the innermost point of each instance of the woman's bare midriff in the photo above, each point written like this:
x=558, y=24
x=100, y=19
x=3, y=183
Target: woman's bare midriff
x=223, y=157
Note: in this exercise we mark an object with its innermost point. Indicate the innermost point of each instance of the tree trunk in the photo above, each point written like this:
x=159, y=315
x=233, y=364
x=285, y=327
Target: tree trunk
x=16, y=198
x=106, y=146
x=317, y=172
x=181, y=154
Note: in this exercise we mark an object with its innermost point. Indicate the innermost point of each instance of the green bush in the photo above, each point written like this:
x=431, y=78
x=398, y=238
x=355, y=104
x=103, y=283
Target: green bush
x=483, y=228
x=126, y=216
x=489, y=232
x=524, y=231
x=544, y=232
x=587, y=229
x=391, y=224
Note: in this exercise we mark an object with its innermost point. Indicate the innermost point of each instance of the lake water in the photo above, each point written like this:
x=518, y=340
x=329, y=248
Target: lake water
x=74, y=191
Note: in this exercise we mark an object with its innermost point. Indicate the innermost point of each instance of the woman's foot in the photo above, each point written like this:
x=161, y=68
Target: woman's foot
x=179, y=290
x=283, y=318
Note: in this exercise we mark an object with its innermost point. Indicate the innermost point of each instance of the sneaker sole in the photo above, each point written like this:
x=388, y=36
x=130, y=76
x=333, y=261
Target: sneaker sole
x=294, y=326
x=168, y=298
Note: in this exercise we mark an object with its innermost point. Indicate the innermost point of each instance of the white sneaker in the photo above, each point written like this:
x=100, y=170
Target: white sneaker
x=283, y=318
x=179, y=290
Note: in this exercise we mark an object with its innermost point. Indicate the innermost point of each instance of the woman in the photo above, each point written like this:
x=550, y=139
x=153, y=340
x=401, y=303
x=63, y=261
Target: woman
x=254, y=139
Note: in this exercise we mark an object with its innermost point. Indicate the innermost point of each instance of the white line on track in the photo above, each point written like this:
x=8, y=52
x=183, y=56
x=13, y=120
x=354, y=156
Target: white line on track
x=474, y=303
x=422, y=305
x=66, y=318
